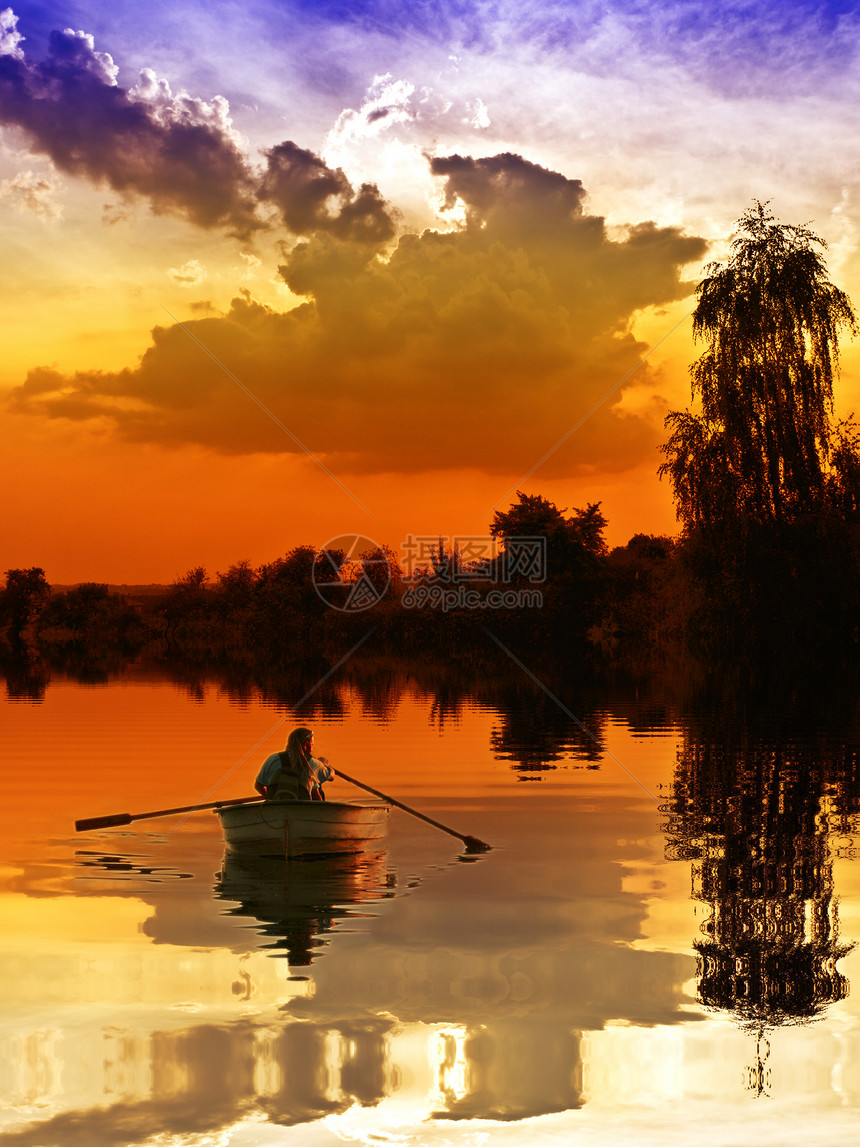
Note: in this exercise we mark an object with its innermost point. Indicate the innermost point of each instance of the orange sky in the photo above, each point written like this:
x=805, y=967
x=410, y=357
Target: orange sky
x=418, y=269
x=166, y=511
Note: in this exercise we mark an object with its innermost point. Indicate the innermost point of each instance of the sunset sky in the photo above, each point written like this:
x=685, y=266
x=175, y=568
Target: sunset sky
x=277, y=272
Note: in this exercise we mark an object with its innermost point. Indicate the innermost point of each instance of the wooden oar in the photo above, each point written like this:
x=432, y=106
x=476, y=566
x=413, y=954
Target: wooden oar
x=127, y=817
x=471, y=842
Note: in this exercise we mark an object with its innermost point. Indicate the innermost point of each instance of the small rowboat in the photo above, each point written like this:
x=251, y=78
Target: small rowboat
x=296, y=828
x=304, y=828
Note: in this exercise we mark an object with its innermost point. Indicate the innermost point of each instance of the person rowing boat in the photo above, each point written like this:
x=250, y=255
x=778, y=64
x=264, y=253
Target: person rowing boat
x=294, y=774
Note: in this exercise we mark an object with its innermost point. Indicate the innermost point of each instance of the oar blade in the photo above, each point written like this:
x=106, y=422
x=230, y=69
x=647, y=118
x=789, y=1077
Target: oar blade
x=103, y=821
x=474, y=845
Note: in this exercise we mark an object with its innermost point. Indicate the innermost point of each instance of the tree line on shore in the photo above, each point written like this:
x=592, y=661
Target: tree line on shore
x=767, y=564
x=747, y=594
x=310, y=600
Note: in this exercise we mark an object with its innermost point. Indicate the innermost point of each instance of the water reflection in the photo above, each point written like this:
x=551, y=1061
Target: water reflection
x=509, y=1070
x=203, y=1079
x=298, y=902
x=535, y=734
x=755, y=821
x=26, y=675
x=128, y=867
x=151, y=997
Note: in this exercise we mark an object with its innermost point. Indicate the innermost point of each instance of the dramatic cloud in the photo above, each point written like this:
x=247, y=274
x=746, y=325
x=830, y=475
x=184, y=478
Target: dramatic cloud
x=311, y=197
x=177, y=152
x=502, y=192
x=478, y=347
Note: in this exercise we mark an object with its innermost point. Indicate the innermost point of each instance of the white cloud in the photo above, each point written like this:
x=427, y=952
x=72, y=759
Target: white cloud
x=10, y=37
x=479, y=117
x=189, y=274
x=182, y=108
x=387, y=139
x=252, y=265
x=387, y=103
x=100, y=64
x=28, y=191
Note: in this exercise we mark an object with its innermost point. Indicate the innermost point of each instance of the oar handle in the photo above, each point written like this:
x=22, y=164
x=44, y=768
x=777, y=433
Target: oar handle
x=471, y=842
x=120, y=818
x=103, y=821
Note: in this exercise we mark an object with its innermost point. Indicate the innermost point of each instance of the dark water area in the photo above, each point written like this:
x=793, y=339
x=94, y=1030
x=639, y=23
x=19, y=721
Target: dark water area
x=664, y=931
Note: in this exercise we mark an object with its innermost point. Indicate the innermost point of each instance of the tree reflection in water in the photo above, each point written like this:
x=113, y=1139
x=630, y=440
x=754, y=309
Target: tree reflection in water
x=756, y=821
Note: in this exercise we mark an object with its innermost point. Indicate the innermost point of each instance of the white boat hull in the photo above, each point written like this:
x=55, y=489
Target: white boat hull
x=304, y=828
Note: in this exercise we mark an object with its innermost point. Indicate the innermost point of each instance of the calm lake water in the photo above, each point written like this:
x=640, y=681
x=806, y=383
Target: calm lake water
x=658, y=948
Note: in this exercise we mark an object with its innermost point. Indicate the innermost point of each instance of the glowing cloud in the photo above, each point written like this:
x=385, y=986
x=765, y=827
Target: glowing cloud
x=472, y=348
x=189, y=274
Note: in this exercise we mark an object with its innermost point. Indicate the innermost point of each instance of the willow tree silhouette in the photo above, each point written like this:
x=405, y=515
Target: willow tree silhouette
x=765, y=446
x=766, y=481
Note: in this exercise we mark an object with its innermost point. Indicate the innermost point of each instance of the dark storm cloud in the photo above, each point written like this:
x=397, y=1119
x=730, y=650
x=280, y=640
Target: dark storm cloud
x=312, y=197
x=174, y=152
x=503, y=189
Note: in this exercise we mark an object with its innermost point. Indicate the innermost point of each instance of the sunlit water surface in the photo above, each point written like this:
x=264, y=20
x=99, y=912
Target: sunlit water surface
x=547, y=991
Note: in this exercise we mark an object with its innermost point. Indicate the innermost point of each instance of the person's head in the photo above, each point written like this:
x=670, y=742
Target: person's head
x=300, y=742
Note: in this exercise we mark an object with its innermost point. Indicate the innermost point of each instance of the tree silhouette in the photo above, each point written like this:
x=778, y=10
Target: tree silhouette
x=24, y=597
x=570, y=542
x=764, y=448
x=381, y=568
x=236, y=584
x=327, y=565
